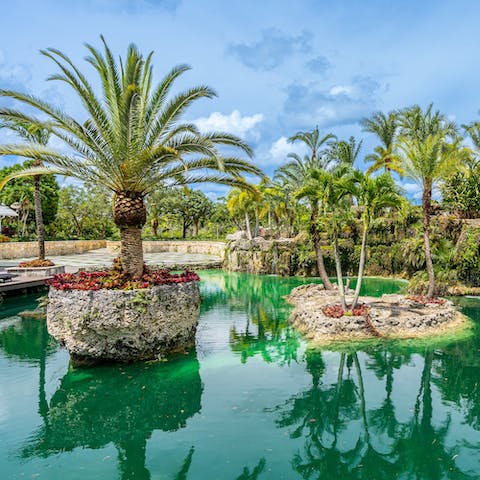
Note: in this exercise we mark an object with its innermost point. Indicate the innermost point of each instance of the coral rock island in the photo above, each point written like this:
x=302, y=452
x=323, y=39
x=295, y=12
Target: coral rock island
x=319, y=316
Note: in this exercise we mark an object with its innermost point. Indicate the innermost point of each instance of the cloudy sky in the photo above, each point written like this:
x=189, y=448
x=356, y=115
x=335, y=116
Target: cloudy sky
x=277, y=66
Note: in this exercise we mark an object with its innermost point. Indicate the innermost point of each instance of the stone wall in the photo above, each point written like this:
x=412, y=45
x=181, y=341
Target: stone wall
x=65, y=247
x=261, y=256
x=179, y=246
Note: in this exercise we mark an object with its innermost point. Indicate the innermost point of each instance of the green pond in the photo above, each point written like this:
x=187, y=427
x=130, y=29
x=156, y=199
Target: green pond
x=252, y=401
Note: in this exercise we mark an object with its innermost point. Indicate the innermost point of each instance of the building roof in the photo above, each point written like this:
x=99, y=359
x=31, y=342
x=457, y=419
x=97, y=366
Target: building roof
x=7, y=211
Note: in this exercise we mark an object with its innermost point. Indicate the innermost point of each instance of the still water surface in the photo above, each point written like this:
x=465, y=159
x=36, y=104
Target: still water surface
x=250, y=402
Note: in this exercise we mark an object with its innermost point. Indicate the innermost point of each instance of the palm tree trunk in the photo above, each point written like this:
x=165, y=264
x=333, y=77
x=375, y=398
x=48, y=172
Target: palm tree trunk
x=426, y=203
x=338, y=267
x=247, y=225
x=361, y=266
x=39, y=217
x=257, y=223
x=195, y=227
x=318, y=252
x=129, y=214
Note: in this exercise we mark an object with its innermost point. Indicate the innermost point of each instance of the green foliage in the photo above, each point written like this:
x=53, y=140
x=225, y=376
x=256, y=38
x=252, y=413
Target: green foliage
x=461, y=193
x=186, y=207
x=20, y=191
x=444, y=279
x=84, y=212
x=467, y=256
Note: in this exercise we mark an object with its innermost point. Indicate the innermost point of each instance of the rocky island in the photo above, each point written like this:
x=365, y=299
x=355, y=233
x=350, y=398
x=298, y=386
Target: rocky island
x=319, y=316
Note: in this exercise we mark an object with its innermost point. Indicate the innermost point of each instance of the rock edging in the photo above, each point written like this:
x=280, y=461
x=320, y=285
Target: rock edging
x=392, y=316
x=124, y=325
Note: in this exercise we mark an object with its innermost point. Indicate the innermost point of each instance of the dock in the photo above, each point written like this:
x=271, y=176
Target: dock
x=22, y=282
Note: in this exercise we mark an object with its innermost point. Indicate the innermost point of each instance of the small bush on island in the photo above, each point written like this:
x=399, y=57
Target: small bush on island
x=118, y=279
x=337, y=311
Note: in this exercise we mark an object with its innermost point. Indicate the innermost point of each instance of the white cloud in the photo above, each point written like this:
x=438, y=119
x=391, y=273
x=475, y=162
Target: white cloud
x=234, y=123
x=341, y=90
x=281, y=148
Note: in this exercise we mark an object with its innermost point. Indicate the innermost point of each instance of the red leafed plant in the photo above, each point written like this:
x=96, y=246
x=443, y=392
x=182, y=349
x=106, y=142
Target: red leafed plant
x=336, y=311
x=36, y=263
x=424, y=300
x=118, y=279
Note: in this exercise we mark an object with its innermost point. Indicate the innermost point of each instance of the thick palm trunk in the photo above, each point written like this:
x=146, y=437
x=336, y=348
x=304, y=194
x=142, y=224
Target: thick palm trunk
x=426, y=202
x=196, y=227
x=318, y=252
x=130, y=215
x=39, y=217
x=361, y=267
x=338, y=267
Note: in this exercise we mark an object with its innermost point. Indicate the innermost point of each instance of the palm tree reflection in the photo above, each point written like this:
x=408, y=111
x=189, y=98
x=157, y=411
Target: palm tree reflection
x=123, y=406
x=344, y=438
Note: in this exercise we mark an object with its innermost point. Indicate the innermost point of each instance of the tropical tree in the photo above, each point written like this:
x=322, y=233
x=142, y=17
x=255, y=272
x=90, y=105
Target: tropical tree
x=327, y=189
x=344, y=152
x=32, y=133
x=385, y=127
x=373, y=196
x=430, y=152
x=244, y=202
x=297, y=172
x=132, y=140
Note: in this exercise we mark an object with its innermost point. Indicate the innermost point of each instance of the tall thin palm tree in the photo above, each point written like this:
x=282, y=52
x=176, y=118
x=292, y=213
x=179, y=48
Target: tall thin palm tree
x=33, y=133
x=430, y=151
x=385, y=127
x=297, y=173
x=326, y=187
x=132, y=141
x=373, y=196
x=344, y=152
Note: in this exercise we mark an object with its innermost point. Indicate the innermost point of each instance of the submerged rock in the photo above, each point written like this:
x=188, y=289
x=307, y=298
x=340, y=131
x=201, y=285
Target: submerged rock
x=124, y=325
x=391, y=316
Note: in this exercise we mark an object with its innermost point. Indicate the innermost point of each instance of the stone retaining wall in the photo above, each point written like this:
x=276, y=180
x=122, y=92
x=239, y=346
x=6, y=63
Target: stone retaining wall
x=64, y=247
x=203, y=247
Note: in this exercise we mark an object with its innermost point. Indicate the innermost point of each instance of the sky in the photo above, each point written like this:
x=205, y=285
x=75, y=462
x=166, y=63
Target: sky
x=278, y=67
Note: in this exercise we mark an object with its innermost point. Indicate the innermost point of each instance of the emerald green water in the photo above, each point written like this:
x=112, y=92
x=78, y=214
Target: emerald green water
x=250, y=402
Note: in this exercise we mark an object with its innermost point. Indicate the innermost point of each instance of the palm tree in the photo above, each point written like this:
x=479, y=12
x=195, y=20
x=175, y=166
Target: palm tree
x=132, y=141
x=245, y=201
x=373, y=196
x=327, y=189
x=385, y=127
x=33, y=133
x=344, y=152
x=297, y=173
x=313, y=141
x=430, y=151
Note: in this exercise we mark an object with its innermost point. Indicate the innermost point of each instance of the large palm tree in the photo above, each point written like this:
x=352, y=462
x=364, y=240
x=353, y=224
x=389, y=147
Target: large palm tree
x=132, y=140
x=430, y=150
x=385, y=127
x=32, y=133
x=373, y=196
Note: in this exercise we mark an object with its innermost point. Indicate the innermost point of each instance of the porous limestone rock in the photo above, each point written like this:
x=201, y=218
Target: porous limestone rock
x=124, y=325
x=391, y=316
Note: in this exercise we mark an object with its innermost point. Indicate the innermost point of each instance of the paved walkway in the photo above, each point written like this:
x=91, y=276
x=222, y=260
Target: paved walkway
x=103, y=257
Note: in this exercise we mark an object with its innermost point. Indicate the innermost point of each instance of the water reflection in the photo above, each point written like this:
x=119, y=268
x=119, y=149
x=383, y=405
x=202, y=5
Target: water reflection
x=349, y=437
x=123, y=406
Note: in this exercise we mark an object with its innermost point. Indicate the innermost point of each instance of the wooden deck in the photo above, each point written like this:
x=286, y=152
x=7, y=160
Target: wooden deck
x=22, y=282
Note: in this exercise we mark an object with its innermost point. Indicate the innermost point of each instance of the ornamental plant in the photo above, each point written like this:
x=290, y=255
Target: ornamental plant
x=118, y=279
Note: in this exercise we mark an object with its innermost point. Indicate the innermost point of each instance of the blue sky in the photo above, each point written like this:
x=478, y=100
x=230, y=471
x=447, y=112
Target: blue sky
x=277, y=66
